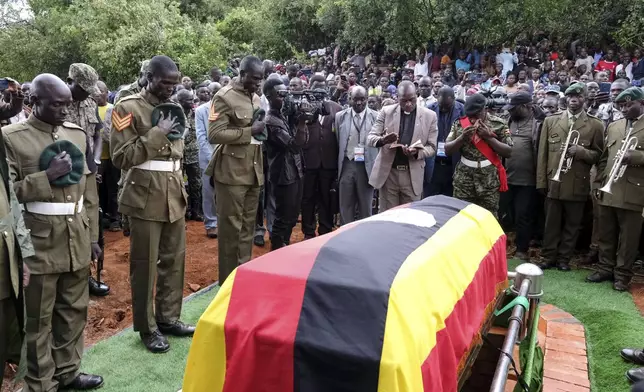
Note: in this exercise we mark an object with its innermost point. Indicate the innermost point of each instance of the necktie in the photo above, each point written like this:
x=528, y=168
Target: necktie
x=571, y=120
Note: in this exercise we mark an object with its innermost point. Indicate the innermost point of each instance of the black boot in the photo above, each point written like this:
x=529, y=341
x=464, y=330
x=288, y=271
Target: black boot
x=98, y=289
x=84, y=382
x=155, y=342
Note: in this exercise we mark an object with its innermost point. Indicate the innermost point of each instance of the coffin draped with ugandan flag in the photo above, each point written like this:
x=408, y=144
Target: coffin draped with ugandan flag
x=392, y=303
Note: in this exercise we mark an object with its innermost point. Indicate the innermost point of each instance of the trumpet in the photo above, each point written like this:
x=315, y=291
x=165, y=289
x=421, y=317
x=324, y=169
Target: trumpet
x=565, y=163
x=618, y=169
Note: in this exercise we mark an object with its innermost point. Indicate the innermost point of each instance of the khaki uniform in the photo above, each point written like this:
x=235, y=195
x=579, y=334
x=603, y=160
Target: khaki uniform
x=479, y=185
x=155, y=200
x=57, y=295
x=620, y=213
x=14, y=245
x=132, y=89
x=566, y=199
x=237, y=168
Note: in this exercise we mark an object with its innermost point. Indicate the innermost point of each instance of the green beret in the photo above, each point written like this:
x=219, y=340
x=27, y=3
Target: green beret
x=78, y=162
x=258, y=115
x=174, y=110
x=630, y=94
x=576, y=89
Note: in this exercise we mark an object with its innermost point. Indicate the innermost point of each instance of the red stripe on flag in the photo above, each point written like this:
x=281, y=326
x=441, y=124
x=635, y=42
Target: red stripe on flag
x=452, y=342
x=267, y=294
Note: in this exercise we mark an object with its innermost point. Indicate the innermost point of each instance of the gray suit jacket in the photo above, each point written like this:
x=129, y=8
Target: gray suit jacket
x=425, y=130
x=343, y=124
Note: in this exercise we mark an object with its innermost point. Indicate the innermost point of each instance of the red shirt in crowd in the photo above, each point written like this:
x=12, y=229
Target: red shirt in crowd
x=608, y=67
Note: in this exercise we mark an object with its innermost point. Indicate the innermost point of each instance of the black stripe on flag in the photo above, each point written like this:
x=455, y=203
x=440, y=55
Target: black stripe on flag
x=339, y=338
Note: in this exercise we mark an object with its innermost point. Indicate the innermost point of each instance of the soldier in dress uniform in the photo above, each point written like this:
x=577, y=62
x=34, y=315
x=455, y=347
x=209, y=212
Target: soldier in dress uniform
x=620, y=211
x=565, y=200
x=237, y=164
x=14, y=275
x=47, y=164
x=83, y=112
x=154, y=199
x=481, y=139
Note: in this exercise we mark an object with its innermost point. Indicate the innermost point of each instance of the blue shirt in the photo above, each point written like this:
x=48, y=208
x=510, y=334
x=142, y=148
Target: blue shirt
x=462, y=64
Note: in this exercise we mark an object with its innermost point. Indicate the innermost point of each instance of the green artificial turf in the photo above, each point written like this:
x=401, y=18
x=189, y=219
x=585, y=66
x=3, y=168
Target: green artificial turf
x=127, y=366
x=611, y=320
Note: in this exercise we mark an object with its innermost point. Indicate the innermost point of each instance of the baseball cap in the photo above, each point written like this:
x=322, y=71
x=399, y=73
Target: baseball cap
x=553, y=89
x=85, y=76
x=518, y=98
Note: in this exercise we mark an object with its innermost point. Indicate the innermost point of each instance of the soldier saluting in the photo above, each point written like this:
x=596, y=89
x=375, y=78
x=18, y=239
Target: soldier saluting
x=568, y=193
x=155, y=201
x=620, y=210
x=47, y=164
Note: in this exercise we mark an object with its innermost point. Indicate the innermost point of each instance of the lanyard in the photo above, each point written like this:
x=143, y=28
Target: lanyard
x=359, y=128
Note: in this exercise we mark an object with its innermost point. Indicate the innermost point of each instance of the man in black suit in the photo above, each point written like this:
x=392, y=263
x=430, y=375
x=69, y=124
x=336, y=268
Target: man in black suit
x=320, y=168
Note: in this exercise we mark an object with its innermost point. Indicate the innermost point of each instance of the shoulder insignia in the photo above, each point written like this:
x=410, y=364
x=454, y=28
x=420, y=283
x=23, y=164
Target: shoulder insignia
x=68, y=124
x=121, y=122
x=129, y=97
x=212, y=114
x=12, y=128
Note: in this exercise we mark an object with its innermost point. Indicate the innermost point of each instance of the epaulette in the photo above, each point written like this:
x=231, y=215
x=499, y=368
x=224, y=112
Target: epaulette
x=68, y=124
x=593, y=116
x=13, y=128
x=224, y=90
x=129, y=98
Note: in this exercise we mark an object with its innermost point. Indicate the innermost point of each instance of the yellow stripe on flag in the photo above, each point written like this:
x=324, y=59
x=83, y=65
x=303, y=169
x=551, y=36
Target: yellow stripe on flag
x=417, y=308
x=206, y=363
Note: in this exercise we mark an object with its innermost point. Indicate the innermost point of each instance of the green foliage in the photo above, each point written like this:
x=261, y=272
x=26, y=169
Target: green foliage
x=116, y=35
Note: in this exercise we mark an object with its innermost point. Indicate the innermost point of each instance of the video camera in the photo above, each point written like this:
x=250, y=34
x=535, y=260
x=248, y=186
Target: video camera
x=314, y=99
x=496, y=98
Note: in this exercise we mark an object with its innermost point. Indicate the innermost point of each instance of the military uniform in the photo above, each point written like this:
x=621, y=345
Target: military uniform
x=154, y=199
x=60, y=219
x=14, y=246
x=191, y=166
x=565, y=200
x=620, y=212
x=238, y=171
x=478, y=185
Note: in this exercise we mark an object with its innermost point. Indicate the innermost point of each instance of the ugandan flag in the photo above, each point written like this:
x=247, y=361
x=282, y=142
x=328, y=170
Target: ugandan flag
x=392, y=303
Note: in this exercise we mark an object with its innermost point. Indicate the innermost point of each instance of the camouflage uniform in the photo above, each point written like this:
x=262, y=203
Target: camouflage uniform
x=191, y=167
x=479, y=185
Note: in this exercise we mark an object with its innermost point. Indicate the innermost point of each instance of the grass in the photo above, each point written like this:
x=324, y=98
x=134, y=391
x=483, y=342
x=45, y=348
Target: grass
x=127, y=366
x=611, y=320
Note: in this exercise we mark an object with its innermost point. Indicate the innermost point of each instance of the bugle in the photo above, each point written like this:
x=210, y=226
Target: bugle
x=565, y=162
x=618, y=168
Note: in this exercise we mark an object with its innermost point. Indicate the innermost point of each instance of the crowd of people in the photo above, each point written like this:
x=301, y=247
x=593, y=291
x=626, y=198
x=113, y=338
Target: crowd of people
x=539, y=136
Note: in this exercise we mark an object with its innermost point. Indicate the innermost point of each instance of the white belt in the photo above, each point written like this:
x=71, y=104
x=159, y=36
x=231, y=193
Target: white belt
x=475, y=164
x=43, y=208
x=162, y=166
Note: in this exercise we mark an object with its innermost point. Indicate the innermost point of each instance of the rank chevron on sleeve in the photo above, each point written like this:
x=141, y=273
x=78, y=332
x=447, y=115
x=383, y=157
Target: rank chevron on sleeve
x=121, y=122
x=212, y=115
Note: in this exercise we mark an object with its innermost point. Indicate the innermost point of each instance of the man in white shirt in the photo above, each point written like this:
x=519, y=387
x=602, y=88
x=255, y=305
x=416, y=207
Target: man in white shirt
x=421, y=68
x=425, y=88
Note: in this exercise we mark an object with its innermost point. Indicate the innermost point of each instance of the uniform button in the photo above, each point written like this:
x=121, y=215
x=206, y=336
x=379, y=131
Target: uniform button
x=5, y=233
x=232, y=153
x=159, y=150
x=55, y=136
x=132, y=182
x=70, y=220
x=254, y=163
x=69, y=197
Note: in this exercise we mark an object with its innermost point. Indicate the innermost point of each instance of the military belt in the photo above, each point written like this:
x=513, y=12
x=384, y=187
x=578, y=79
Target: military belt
x=475, y=164
x=162, y=166
x=44, y=208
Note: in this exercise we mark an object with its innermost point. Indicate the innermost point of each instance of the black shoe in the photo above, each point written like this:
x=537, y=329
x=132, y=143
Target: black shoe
x=634, y=355
x=598, y=277
x=618, y=285
x=115, y=226
x=563, y=267
x=544, y=265
x=197, y=217
x=98, y=289
x=155, y=342
x=176, y=328
x=259, y=240
x=84, y=382
x=635, y=375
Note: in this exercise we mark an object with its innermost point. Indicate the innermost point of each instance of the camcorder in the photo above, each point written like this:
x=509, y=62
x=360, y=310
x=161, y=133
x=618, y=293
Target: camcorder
x=496, y=98
x=309, y=103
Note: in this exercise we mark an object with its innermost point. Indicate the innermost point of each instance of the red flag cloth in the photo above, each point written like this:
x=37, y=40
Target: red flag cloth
x=489, y=154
